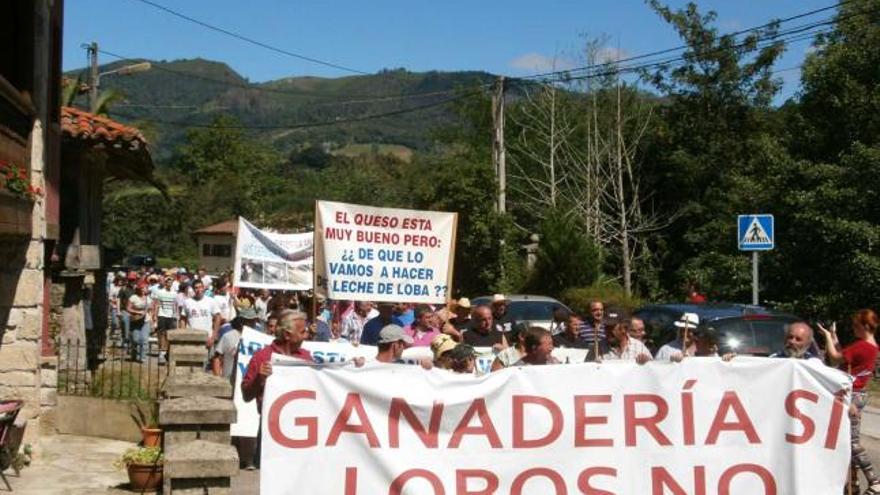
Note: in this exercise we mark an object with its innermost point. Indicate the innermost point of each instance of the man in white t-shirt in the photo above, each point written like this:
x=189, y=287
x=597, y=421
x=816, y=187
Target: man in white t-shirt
x=202, y=313
x=224, y=301
x=165, y=312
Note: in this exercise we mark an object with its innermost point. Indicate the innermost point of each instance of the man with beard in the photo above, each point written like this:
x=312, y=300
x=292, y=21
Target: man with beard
x=798, y=339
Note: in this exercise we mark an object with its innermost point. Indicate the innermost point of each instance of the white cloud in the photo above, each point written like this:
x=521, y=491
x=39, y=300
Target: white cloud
x=541, y=63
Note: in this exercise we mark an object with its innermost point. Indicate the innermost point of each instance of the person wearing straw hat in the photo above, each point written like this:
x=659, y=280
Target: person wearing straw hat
x=684, y=345
x=440, y=347
x=504, y=323
x=459, y=320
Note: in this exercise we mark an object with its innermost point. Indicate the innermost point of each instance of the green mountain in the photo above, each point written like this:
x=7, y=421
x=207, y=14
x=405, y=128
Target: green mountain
x=287, y=113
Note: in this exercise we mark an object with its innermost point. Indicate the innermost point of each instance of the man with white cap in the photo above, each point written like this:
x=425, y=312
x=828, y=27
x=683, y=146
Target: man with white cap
x=392, y=342
x=684, y=344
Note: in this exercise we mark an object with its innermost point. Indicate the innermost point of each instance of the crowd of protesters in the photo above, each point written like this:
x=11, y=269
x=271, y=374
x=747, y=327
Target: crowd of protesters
x=147, y=303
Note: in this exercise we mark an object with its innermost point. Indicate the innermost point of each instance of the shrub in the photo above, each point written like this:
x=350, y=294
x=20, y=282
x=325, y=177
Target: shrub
x=609, y=292
x=140, y=455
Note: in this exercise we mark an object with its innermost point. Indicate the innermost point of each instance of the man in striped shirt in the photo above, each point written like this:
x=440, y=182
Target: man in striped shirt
x=593, y=332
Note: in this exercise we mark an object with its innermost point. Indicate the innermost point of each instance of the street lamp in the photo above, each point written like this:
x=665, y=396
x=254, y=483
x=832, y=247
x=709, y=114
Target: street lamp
x=95, y=77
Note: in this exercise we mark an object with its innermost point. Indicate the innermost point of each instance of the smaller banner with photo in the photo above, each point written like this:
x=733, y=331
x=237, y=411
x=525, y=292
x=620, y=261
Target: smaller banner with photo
x=270, y=260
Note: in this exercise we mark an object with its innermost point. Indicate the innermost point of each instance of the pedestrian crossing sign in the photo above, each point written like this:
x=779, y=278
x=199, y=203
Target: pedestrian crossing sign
x=755, y=232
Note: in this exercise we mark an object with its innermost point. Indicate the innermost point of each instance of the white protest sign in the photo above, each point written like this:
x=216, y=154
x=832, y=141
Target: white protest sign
x=750, y=426
x=365, y=253
x=247, y=420
x=269, y=260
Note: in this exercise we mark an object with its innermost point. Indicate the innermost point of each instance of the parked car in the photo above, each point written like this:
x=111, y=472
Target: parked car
x=140, y=260
x=755, y=334
x=529, y=309
x=660, y=318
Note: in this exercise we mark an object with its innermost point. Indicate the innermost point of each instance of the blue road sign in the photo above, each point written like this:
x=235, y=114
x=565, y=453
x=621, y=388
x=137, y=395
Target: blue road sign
x=755, y=233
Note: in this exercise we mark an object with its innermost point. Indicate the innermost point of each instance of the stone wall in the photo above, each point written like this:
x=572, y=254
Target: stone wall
x=22, y=282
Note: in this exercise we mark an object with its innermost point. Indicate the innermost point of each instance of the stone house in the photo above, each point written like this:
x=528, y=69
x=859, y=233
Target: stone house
x=30, y=138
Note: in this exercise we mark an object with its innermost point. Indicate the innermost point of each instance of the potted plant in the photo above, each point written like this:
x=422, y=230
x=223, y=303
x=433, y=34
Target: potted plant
x=144, y=465
x=145, y=414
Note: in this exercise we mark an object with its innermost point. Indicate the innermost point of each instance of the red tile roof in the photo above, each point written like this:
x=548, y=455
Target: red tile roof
x=81, y=125
x=227, y=227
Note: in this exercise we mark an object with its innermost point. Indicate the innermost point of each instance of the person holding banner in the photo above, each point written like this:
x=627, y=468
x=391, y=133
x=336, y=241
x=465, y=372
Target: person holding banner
x=538, y=347
x=392, y=342
x=624, y=348
x=683, y=345
x=288, y=341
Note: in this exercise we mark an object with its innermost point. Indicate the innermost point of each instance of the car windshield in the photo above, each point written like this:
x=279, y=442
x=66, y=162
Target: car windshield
x=756, y=337
x=531, y=310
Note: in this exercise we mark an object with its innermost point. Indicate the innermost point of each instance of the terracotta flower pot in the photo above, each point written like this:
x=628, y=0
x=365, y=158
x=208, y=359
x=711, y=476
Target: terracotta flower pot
x=151, y=437
x=145, y=476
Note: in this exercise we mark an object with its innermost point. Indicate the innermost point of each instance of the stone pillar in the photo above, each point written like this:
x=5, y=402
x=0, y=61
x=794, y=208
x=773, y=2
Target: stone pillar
x=195, y=414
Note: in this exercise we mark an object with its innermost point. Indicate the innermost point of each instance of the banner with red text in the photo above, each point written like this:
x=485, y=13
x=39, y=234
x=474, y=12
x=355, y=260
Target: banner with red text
x=364, y=253
x=751, y=426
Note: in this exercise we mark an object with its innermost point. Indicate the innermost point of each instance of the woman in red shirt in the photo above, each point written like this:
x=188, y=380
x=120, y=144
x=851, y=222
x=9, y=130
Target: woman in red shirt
x=858, y=360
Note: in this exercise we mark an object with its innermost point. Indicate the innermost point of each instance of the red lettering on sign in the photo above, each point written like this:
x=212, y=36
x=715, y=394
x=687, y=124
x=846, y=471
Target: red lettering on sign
x=581, y=421
x=310, y=423
x=648, y=423
x=486, y=428
x=761, y=472
x=731, y=402
x=353, y=404
x=793, y=411
x=463, y=475
x=399, y=407
x=519, y=440
x=584, y=480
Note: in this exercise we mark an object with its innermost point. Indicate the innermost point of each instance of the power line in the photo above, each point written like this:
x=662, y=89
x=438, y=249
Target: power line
x=684, y=47
x=806, y=31
x=564, y=74
x=337, y=121
x=250, y=40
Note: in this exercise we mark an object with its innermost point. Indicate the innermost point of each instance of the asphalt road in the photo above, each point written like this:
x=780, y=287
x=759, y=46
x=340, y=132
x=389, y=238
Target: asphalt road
x=871, y=435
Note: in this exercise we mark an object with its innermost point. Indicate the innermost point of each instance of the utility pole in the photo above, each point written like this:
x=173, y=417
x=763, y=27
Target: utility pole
x=93, y=76
x=498, y=153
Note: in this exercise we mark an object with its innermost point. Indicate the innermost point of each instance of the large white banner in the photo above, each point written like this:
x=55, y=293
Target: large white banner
x=364, y=253
x=269, y=260
x=248, y=420
x=703, y=426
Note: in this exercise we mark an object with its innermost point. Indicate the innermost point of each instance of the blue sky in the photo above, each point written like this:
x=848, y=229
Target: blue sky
x=513, y=37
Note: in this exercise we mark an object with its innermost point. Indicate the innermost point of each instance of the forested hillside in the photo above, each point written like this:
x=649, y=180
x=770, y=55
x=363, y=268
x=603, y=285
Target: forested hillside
x=175, y=94
x=632, y=185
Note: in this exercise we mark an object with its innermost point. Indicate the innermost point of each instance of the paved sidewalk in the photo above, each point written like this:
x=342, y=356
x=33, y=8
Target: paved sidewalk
x=75, y=465
x=70, y=465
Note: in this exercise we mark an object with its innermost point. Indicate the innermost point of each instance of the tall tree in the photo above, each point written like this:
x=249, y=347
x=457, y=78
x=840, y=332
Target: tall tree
x=708, y=153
